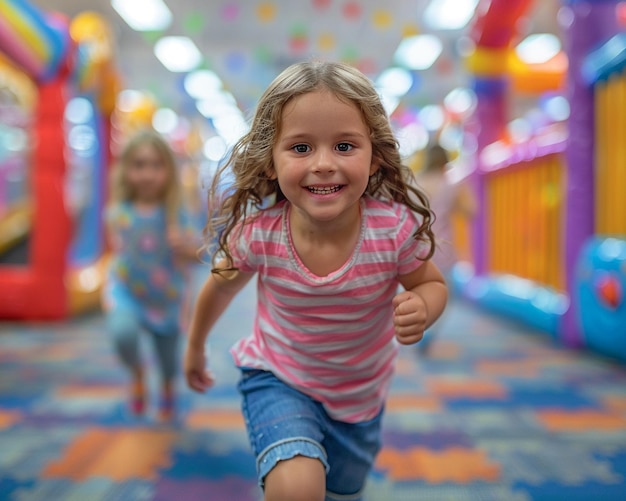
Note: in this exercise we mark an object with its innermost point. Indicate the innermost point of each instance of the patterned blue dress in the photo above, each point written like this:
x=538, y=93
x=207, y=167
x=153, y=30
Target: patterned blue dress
x=144, y=278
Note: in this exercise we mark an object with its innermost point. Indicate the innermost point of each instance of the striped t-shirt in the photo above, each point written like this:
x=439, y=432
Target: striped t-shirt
x=330, y=337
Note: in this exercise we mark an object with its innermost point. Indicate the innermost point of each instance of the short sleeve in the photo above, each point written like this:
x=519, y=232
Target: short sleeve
x=411, y=252
x=117, y=219
x=240, y=244
x=112, y=214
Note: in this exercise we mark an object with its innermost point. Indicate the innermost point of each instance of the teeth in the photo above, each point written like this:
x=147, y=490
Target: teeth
x=326, y=190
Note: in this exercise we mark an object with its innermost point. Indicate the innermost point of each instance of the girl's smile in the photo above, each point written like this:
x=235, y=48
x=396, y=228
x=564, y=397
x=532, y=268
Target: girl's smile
x=325, y=190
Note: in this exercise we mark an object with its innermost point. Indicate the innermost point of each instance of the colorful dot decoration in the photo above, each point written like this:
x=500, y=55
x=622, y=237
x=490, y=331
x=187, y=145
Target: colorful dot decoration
x=382, y=19
x=326, y=42
x=410, y=30
x=266, y=12
x=263, y=54
x=298, y=38
x=235, y=61
x=194, y=23
x=321, y=4
x=349, y=54
x=352, y=10
x=230, y=12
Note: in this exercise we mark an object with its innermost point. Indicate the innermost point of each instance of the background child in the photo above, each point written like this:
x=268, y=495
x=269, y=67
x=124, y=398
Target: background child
x=447, y=199
x=329, y=256
x=152, y=242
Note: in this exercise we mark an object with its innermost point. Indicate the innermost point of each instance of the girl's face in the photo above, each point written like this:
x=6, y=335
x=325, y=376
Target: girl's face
x=323, y=156
x=147, y=174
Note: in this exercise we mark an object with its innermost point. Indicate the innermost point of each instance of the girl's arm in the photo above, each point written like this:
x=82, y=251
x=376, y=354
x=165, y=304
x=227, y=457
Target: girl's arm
x=184, y=244
x=422, y=302
x=214, y=297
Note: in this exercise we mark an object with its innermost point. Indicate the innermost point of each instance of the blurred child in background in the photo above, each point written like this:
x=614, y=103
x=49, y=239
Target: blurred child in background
x=447, y=199
x=152, y=243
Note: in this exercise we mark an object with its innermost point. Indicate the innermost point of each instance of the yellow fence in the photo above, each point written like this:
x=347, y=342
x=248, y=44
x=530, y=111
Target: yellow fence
x=610, y=162
x=524, y=207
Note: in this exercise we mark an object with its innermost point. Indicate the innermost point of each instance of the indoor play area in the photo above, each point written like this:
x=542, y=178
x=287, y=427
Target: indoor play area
x=522, y=393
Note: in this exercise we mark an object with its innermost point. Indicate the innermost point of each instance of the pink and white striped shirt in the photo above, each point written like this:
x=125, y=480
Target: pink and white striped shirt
x=330, y=337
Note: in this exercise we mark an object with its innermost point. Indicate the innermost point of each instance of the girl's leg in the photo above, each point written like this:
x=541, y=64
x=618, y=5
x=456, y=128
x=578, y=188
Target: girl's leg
x=167, y=354
x=297, y=479
x=123, y=326
x=285, y=434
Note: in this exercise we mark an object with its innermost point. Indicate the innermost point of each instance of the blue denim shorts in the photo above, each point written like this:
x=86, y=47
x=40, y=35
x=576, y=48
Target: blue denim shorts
x=283, y=423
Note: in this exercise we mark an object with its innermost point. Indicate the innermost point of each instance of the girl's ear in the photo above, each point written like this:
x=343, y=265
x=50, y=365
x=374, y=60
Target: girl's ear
x=271, y=174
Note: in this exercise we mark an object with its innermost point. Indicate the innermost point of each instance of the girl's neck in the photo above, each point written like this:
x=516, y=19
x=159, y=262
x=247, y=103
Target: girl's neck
x=327, y=247
x=341, y=228
x=146, y=205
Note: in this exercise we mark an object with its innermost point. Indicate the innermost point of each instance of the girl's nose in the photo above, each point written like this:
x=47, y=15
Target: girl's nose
x=323, y=162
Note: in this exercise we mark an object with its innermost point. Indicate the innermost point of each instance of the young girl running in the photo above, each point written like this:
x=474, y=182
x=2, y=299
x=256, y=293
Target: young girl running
x=152, y=242
x=345, y=231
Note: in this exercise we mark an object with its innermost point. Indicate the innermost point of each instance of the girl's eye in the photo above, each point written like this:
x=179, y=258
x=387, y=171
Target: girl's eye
x=344, y=147
x=300, y=148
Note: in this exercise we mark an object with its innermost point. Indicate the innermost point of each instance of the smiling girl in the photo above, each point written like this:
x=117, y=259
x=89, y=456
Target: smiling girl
x=346, y=230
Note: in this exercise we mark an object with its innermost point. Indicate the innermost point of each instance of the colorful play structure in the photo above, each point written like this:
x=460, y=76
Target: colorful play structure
x=52, y=186
x=549, y=244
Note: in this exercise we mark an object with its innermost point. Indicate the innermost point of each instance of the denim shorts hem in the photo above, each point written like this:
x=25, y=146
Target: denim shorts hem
x=288, y=449
x=331, y=496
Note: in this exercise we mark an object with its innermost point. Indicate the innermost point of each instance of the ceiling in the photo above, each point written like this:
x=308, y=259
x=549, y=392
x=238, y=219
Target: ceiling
x=248, y=42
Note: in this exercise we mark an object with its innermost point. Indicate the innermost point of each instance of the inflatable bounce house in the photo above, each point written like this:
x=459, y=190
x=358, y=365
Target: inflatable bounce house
x=549, y=244
x=57, y=93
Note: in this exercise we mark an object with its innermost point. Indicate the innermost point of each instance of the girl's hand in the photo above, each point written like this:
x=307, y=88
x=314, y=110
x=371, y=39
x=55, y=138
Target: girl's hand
x=176, y=243
x=409, y=317
x=197, y=376
x=182, y=245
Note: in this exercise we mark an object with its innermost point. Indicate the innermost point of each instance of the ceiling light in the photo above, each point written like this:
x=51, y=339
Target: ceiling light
x=129, y=100
x=432, y=116
x=230, y=127
x=394, y=82
x=165, y=120
x=389, y=102
x=178, y=54
x=557, y=108
x=211, y=109
x=538, y=48
x=520, y=130
x=144, y=15
x=451, y=137
x=412, y=138
x=217, y=104
x=79, y=110
x=418, y=52
x=449, y=14
x=202, y=84
x=215, y=148
x=460, y=101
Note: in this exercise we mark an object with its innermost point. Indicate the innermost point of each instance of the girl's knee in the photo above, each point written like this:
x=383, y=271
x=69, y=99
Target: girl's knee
x=123, y=328
x=297, y=479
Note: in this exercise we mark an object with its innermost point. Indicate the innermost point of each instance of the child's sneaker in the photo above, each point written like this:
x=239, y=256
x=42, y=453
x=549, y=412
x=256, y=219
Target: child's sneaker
x=167, y=409
x=138, y=399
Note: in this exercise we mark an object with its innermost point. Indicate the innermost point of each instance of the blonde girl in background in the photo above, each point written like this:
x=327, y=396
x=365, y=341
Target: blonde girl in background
x=152, y=243
x=345, y=231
